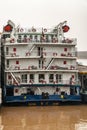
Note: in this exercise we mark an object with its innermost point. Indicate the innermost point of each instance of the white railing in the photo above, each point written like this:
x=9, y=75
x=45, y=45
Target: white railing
x=13, y=67
x=52, y=40
x=56, y=54
x=34, y=30
x=29, y=40
x=11, y=54
x=47, y=81
x=64, y=67
x=33, y=67
x=59, y=81
x=69, y=40
x=44, y=54
x=40, y=39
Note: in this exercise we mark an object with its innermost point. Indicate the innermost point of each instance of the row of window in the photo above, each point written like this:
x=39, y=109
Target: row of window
x=31, y=36
x=36, y=36
x=41, y=78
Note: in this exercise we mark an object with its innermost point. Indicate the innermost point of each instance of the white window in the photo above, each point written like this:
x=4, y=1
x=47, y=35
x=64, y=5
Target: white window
x=51, y=78
x=24, y=78
x=36, y=38
x=32, y=77
x=41, y=77
x=40, y=51
x=7, y=63
x=19, y=39
x=41, y=64
x=7, y=50
x=58, y=78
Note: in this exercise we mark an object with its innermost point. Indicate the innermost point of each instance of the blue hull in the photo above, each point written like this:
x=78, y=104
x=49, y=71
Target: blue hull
x=38, y=98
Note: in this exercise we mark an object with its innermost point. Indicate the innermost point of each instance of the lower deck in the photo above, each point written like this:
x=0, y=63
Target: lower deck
x=41, y=93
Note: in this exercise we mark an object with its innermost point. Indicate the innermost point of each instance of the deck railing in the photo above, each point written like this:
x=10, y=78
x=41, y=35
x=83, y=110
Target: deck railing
x=43, y=68
x=45, y=81
x=40, y=40
x=45, y=54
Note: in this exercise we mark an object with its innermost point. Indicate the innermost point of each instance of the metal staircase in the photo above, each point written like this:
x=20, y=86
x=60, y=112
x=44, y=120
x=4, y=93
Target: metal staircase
x=52, y=59
x=31, y=48
x=13, y=76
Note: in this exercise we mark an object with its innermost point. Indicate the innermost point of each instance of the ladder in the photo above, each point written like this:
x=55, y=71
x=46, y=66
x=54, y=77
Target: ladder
x=32, y=48
x=13, y=76
x=50, y=63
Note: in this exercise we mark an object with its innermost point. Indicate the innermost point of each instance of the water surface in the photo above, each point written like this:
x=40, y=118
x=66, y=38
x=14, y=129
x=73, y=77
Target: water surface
x=44, y=118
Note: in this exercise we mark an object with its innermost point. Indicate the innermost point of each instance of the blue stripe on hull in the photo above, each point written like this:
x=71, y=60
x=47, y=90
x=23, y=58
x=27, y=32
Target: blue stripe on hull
x=36, y=98
x=42, y=85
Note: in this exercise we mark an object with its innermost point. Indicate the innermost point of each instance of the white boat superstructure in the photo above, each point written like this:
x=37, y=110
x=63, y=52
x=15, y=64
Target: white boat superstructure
x=39, y=60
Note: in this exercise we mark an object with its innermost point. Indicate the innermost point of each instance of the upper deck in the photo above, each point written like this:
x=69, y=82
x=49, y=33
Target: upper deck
x=39, y=36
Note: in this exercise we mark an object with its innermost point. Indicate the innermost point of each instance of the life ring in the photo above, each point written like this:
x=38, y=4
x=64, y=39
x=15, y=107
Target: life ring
x=45, y=30
x=16, y=90
x=21, y=30
x=65, y=28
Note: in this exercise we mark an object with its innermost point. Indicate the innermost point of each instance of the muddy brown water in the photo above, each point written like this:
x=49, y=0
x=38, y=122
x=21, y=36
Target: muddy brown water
x=44, y=118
